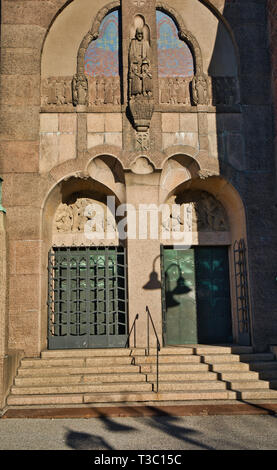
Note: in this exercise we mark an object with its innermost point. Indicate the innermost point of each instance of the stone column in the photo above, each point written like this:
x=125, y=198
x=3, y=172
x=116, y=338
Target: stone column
x=143, y=260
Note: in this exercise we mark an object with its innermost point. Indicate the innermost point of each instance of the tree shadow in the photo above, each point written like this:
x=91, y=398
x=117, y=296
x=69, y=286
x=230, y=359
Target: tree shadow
x=161, y=420
x=114, y=426
x=169, y=424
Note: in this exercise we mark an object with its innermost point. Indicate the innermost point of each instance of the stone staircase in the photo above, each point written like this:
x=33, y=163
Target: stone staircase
x=128, y=376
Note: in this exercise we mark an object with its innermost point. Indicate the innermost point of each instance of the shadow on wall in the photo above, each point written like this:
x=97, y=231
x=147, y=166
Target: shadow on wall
x=244, y=135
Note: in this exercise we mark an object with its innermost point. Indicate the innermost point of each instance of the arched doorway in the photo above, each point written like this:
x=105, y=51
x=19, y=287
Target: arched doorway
x=198, y=274
x=87, y=268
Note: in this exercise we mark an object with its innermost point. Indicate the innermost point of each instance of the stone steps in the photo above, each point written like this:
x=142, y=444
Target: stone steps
x=177, y=367
x=163, y=359
x=75, y=379
x=82, y=388
x=88, y=361
x=81, y=353
x=197, y=372
x=129, y=397
x=76, y=370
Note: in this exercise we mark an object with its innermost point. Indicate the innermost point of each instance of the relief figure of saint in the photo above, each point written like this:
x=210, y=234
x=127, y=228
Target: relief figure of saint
x=139, y=48
x=146, y=77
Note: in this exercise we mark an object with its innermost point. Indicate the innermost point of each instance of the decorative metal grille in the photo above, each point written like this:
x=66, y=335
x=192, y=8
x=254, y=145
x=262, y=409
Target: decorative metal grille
x=87, y=304
x=242, y=294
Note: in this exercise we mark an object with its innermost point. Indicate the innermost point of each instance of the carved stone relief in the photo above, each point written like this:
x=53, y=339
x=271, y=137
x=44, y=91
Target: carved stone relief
x=142, y=141
x=80, y=89
x=225, y=90
x=175, y=91
x=56, y=91
x=200, y=212
x=200, y=93
x=140, y=93
x=72, y=218
x=104, y=91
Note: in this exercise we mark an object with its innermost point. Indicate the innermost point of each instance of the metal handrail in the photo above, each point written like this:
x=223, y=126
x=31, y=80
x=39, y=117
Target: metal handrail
x=135, y=336
x=148, y=344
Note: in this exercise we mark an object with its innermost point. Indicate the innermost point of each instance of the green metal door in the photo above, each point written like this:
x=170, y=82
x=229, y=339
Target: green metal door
x=214, y=323
x=87, y=298
x=196, y=297
x=180, y=319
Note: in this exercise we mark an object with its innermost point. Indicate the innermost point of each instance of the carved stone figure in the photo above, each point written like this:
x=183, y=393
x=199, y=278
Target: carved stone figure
x=108, y=92
x=199, y=90
x=210, y=213
x=56, y=91
x=182, y=91
x=63, y=220
x=141, y=102
x=225, y=90
x=72, y=218
x=139, y=48
x=199, y=212
x=80, y=89
x=116, y=91
x=92, y=94
x=135, y=82
x=104, y=91
x=146, y=76
x=175, y=91
x=100, y=87
x=164, y=95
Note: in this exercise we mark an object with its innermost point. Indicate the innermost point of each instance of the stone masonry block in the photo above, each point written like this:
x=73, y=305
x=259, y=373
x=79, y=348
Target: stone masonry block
x=96, y=122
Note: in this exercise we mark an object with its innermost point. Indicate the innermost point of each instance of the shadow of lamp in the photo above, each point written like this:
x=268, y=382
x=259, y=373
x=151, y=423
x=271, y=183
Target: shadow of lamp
x=153, y=283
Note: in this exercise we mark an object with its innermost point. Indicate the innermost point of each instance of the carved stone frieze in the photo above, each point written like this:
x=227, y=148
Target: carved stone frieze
x=56, y=91
x=199, y=212
x=72, y=218
x=175, y=90
x=225, y=90
x=104, y=91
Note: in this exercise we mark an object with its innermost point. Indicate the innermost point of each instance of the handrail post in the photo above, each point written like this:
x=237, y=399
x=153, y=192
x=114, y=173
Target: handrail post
x=133, y=328
x=149, y=317
x=148, y=336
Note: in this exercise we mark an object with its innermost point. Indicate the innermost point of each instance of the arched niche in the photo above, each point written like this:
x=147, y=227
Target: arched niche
x=177, y=169
x=72, y=30
x=211, y=55
x=206, y=33
x=70, y=204
x=217, y=218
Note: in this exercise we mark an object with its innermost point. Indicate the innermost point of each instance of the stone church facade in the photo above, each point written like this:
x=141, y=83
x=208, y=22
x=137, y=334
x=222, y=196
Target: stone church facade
x=137, y=107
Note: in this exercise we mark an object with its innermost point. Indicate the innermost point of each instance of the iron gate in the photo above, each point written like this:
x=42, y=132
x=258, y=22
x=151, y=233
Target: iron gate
x=87, y=297
x=242, y=294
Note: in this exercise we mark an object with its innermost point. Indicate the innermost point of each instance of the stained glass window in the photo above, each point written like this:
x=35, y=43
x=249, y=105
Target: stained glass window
x=102, y=55
x=174, y=56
